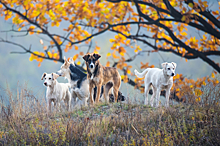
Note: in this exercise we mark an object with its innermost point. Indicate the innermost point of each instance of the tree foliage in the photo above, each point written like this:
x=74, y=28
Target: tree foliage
x=163, y=25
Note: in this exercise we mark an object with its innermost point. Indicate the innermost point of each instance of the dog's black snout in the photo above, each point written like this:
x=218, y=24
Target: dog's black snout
x=45, y=84
x=91, y=66
x=172, y=74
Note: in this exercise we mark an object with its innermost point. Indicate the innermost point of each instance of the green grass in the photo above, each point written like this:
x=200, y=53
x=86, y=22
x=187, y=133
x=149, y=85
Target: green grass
x=25, y=122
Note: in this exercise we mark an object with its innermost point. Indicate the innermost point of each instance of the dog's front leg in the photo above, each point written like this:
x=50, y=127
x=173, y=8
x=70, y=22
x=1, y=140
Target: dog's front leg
x=73, y=94
x=68, y=101
x=99, y=86
x=90, y=93
x=167, y=97
x=49, y=106
x=157, y=97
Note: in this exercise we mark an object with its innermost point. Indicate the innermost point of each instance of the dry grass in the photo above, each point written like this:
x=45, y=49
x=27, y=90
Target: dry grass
x=24, y=122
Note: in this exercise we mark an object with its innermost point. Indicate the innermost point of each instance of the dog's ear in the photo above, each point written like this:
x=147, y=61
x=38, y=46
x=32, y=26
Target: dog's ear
x=66, y=62
x=85, y=57
x=97, y=56
x=71, y=61
x=174, y=64
x=164, y=64
x=44, y=74
x=55, y=76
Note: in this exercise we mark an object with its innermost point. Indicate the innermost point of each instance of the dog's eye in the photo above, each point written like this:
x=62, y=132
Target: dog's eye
x=49, y=78
x=168, y=68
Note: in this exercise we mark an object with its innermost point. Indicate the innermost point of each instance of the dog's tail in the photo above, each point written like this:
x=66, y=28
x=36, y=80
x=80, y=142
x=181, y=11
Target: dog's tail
x=140, y=75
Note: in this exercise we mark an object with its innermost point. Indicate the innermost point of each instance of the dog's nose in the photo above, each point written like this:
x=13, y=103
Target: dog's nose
x=58, y=73
x=45, y=83
x=91, y=65
x=172, y=74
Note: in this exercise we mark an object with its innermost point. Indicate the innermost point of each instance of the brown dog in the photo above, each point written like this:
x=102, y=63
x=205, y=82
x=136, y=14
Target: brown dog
x=99, y=75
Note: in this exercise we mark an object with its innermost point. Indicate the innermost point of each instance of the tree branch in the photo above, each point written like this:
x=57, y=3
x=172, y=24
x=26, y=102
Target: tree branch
x=37, y=25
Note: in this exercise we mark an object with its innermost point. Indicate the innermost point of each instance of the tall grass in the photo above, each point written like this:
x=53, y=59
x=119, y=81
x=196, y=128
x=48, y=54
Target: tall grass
x=24, y=121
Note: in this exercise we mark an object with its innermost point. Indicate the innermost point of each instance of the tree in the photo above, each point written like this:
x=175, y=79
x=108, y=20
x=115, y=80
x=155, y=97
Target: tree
x=161, y=24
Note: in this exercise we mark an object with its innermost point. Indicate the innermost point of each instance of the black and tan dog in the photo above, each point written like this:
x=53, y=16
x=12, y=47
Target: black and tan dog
x=99, y=75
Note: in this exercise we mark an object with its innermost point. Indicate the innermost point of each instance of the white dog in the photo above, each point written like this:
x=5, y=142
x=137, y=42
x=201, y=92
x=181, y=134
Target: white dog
x=159, y=79
x=56, y=92
x=78, y=81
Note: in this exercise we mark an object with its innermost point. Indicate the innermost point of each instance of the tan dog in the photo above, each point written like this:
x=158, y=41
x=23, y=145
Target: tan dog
x=99, y=75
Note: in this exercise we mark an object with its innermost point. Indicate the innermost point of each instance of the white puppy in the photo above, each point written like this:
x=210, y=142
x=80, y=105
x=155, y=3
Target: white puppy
x=159, y=79
x=56, y=92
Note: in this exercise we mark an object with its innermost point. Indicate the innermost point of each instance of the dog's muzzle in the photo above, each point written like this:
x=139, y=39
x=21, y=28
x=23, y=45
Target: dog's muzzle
x=172, y=74
x=91, y=66
x=59, y=73
x=45, y=83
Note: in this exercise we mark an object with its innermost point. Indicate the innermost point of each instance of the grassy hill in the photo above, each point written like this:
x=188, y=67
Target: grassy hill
x=25, y=122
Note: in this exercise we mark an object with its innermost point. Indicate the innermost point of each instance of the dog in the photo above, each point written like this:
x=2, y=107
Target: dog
x=80, y=84
x=56, y=92
x=99, y=75
x=78, y=81
x=159, y=79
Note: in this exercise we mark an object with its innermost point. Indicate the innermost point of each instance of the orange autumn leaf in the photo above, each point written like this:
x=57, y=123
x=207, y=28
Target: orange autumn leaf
x=108, y=64
x=76, y=47
x=81, y=53
x=114, y=55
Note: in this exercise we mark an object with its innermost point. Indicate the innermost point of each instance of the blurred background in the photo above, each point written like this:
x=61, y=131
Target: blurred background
x=16, y=69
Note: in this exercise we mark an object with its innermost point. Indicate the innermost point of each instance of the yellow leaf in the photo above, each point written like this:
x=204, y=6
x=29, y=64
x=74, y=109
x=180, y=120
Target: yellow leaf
x=49, y=54
x=55, y=55
x=183, y=18
x=95, y=51
x=128, y=71
x=108, y=54
x=31, y=28
x=111, y=40
x=122, y=77
x=75, y=57
x=57, y=24
x=97, y=48
x=213, y=75
x=78, y=63
x=31, y=58
x=191, y=5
